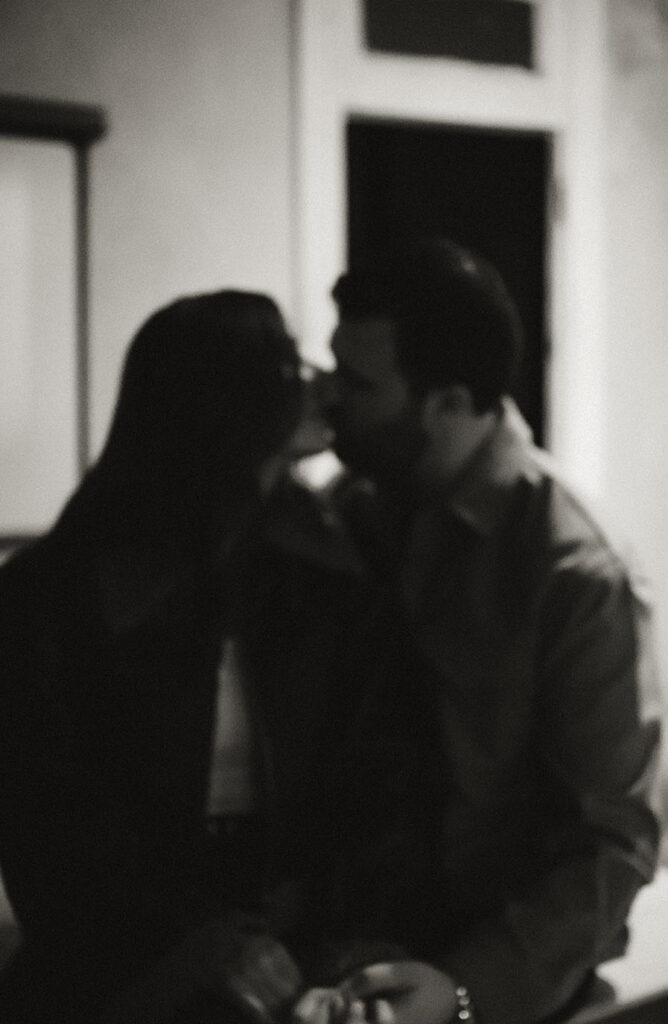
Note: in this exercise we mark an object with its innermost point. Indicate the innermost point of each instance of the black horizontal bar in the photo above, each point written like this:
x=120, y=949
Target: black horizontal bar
x=78, y=123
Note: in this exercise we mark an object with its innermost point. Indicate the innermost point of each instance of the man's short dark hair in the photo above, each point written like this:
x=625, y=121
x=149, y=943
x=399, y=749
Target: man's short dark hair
x=457, y=323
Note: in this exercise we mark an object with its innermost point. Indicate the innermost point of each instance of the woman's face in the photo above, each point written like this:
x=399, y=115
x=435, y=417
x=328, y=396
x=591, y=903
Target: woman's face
x=311, y=436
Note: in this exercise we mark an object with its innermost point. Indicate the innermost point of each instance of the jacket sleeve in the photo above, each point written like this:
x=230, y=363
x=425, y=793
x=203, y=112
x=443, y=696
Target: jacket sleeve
x=598, y=739
x=76, y=870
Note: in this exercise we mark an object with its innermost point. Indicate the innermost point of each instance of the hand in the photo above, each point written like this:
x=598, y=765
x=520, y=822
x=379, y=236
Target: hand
x=331, y=1006
x=246, y=966
x=416, y=992
x=257, y=972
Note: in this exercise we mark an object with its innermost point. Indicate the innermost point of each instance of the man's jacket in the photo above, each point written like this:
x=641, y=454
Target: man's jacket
x=513, y=750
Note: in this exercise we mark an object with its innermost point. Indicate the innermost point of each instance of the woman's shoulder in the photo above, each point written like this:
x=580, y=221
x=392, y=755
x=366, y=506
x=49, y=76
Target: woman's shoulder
x=31, y=568
x=38, y=598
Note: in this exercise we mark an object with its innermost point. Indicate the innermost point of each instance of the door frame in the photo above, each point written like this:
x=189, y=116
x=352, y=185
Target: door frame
x=335, y=78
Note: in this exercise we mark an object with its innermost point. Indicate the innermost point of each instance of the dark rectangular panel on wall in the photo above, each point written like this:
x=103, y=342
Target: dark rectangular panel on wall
x=484, y=188
x=488, y=31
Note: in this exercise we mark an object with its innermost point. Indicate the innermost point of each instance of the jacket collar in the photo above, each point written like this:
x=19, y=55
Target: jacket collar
x=480, y=495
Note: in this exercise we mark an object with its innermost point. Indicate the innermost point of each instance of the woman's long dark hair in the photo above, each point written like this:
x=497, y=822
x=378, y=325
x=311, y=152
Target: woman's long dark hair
x=210, y=388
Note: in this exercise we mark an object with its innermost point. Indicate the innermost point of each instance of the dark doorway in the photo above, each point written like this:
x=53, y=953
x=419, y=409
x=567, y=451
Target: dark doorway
x=486, y=189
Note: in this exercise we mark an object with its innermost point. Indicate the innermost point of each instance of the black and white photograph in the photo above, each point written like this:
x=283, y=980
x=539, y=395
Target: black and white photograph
x=333, y=512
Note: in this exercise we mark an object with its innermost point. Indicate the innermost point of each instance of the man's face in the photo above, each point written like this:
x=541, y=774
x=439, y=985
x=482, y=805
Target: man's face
x=375, y=418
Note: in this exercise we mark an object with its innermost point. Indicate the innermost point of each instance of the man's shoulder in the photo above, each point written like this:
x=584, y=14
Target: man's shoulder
x=573, y=516
x=575, y=533
x=515, y=485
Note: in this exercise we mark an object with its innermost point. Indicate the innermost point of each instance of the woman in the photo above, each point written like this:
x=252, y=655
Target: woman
x=172, y=668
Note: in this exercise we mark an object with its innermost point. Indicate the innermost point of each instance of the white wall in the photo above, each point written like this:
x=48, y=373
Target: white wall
x=636, y=267
x=38, y=392
x=191, y=188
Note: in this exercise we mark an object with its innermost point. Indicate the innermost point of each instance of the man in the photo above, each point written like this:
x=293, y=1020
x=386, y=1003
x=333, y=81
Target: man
x=517, y=605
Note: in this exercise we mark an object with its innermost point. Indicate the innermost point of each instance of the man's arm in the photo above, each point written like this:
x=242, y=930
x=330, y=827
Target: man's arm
x=598, y=737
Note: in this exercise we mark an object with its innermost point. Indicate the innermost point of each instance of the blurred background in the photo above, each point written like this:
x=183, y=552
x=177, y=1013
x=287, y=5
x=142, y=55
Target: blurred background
x=153, y=148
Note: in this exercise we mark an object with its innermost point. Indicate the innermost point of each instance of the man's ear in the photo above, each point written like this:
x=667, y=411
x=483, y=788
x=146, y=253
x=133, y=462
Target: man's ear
x=441, y=403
